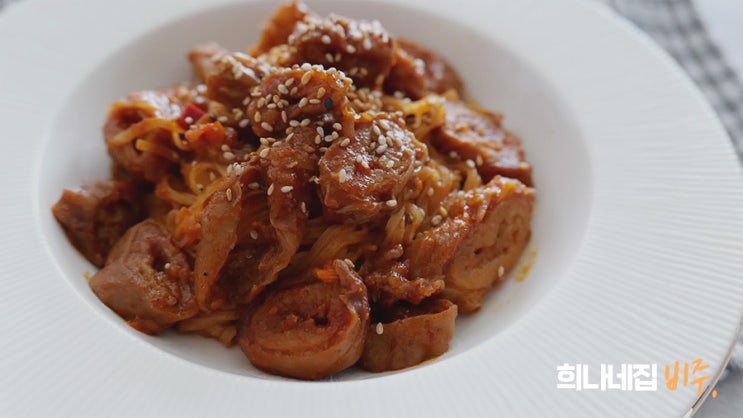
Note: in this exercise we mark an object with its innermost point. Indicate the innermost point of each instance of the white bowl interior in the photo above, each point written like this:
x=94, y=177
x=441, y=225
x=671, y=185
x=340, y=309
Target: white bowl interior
x=496, y=77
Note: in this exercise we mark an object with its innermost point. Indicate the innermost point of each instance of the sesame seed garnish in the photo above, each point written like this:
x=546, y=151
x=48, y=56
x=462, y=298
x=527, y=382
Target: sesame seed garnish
x=228, y=156
x=289, y=82
x=264, y=152
x=376, y=130
x=261, y=102
x=289, y=136
x=365, y=164
x=271, y=106
x=243, y=123
x=303, y=207
x=283, y=116
x=212, y=176
x=293, y=91
x=282, y=89
x=303, y=102
x=287, y=189
x=254, y=186
x=318, y=139
x=305, y=122
x=367, y=44
x=381, y=149
x=501, y=271
x=320, y=131
x=325, y=39
x=436, y=220
x=337, y=126
x=391, y=203
x=246, y=100
x=478, y=160
x=222, y=119
x=470, y=163
x=350, y=49
x=381, y=140
x=329, y=57
x=314, y=101
x=229, y=169
x=166, y=266
x=229, y=194
x=454, y=154
x=267, y=126
x=254, y=234
x=390, y=163
x=320, y=92
x=380, y=328
x=306, y=66
x=257, y=117
x=188, y=120
x=270, y=190
x=200, y=187
x=342, y=175
x=344, y=143
x=306, y=77
x=225, y=147
x=429, y=192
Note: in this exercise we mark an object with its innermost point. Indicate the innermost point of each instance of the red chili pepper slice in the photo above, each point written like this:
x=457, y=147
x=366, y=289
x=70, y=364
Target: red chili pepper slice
x=190, y=115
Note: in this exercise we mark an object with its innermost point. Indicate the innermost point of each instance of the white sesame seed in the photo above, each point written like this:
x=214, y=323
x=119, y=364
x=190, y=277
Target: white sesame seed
x=225, y=147
x=381, y=140
x=261, y=102
x=376, y=130
x=303, y=102
x=222, y=119
x=390, y=164
x=244, y=123
x=306, y=77
x=429, y=192
x=246, y=100
x=436, y=220
x=329, y=57
x=305, y=122
x=380, y=328
x=367, y=44
x=303, y=207
x=501, y=271
x=254, y=186
x=314, y=101
x=270, y=190
x=320, y=92
x=289, y=82
x=320, y=131
x=254, y=234
x=264, y=152
x=325, y=39
x=344, y=143
x=229, y=194
x=391, y=203
x=306, y=66
x=337, y=126
x=470, y=163
x=381, y=149
x=212, y=176
x=365, y=164
x=479, y=160
x=267, y=126
x=283, y=116
x=228, y=156
x=200, y=187
x=188, y=120
x=229, y=169
x=289, y=136
x=350, y=49
x=286, y=189
x=282, y=89
x=342, y=176
x=257, y=117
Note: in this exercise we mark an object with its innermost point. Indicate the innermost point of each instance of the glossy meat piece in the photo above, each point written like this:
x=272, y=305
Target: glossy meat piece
x=134, y=109
x=419, y=71
x=479, y=242
x=146, y=280
x=362, y=178
x=279, y=26
x=478, y=136
x=310, y=330
x=95, y=215
x=289, y=97
x=360, y=48
x=390, y=284
x=410, y=335
x=228, y=76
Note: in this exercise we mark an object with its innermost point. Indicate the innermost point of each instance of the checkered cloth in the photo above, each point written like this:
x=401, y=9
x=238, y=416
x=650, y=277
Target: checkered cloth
x=676, y=26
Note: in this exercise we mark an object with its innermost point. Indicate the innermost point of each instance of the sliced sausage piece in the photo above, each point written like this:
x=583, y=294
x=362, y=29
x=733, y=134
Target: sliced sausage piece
x=362, y=178
x=411, y=335
x=480, y=241
x=311, y=330
x=279, y=26
x=95, y=215
x=478, y=136
x=146, y=280
x=418, y=71
x=362, y=49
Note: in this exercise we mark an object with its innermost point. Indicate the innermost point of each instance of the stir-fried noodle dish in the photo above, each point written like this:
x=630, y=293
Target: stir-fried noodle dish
x=325, y=199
